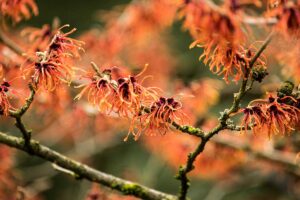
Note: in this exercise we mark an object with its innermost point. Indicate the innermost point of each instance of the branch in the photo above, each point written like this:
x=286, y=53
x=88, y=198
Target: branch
x=225, y=115
x=189, y=130
x=233, y=127
x=183, y=128
x=25, y=107
x=18, y=116
x=10, y=44
x=84, y=171
x=237, y=98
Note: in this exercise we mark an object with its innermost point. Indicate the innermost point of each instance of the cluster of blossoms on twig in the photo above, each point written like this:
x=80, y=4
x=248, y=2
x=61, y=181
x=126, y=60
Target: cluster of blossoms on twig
x=221, y=36
x=277, y=114
x=54, y=65
x=4, y=102
x=158, y=118
x=51, y=65
x=127, y=97
x=288, y=15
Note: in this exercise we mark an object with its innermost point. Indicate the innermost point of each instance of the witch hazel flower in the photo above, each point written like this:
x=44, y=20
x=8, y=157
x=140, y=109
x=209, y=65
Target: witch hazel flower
x=50, y=68
x=123, y=96
x=100, y=90
x=133, y=95
x=63, y=45
x=158, y=118
x=4, y=102
x=274, y=115
x=288, y=15
x=18, y=9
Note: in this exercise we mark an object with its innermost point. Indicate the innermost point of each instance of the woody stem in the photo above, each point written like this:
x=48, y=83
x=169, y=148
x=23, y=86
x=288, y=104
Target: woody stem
x=184, y=170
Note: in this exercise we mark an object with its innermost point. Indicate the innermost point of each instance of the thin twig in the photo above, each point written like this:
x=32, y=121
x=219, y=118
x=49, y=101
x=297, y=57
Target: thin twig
x=96, y=69
x=225, y=115
x=20, y=112
x=18, y=116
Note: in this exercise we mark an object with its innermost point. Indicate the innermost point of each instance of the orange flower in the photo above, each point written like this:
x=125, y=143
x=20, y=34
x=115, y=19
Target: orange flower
x=124, y=96
x=4, y=102
x=18, y=9
x=53, y=66
x=53, y=40
x=132, y=96
x=49, y=72
x=162, y=113
x=254, y=118
x=227, y=61
x=281, y=116
x=64, y=45
x=276, y=115
x=288, y=15
x=211, y=28
x=232, y=62
x=101, y=91
x=220, y=35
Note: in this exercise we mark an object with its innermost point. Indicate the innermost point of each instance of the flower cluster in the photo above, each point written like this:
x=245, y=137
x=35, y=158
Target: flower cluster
x=54, y=65
x=220, y=34
x=127, y=97
x=18, y=9
x=4, y=102
x=158, y=118
x=231, y=62
x=277, y=114
x=123, y=95
x=288, y=16
x=101, y=90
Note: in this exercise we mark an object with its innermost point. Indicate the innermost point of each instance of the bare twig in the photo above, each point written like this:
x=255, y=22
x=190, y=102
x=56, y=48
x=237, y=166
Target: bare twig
x=18, y=116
